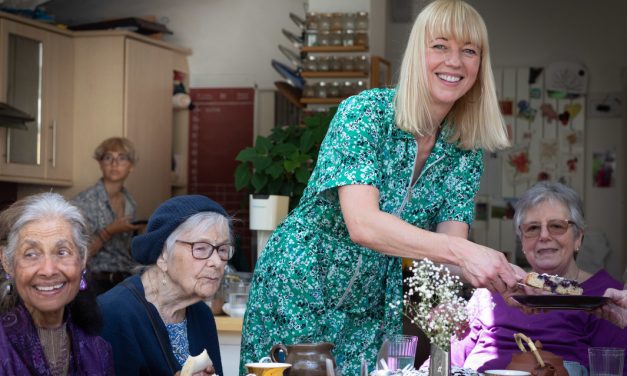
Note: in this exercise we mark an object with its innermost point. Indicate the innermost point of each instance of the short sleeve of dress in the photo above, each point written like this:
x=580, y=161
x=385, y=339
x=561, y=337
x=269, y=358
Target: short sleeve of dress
x=461, y=187
x=350, y=151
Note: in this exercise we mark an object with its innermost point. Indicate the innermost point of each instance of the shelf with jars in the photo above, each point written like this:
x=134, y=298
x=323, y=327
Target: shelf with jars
x=331, y=63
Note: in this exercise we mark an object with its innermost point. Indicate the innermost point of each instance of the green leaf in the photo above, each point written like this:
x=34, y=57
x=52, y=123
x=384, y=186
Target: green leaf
x=246, y=155
x=307, y=141
x=261, y=163
x=291, y=165
x=284, y=150
x=242, y=176
x=275, y=170
x=259, y=181
x=263, y=145
x=302, y=174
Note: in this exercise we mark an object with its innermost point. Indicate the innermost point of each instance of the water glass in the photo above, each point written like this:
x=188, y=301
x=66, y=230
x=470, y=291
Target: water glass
x=397, y=352
x=606, y=361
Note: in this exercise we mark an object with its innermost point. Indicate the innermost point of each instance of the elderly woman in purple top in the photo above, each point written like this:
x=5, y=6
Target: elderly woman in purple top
x=549, y=222
x=47, y=327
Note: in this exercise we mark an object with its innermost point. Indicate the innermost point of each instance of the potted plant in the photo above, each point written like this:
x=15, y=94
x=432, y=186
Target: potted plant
x=280, y=165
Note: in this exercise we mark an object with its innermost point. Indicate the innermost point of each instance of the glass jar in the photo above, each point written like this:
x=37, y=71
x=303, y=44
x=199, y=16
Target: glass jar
x=361, y=38
x=348, y=38
x=335, y=64
x=324, y=21
x=348, y=64
x=346, y=89
x=309, y=90
x=361, y=21
x=324, y=38
x=348, y=22
x=311, y=63
x=311, y=20
x=323, y=63
x=336, y=38
x=334, y=90
x=311, y=38
x=337, y=21
x=321, y=90
x=360, y=86
x=362, y=64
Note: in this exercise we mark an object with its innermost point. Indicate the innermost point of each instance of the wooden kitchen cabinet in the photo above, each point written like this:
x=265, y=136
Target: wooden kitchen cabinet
x=36, y=76
x=124, y=88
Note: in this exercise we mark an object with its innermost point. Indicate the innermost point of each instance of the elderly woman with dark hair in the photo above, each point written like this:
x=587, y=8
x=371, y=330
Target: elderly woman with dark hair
x=550, y=224
x=155, y=320
x=47, y=327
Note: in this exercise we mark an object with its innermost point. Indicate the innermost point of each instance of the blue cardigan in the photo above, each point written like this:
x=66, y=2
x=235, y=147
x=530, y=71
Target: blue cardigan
x=136, y=349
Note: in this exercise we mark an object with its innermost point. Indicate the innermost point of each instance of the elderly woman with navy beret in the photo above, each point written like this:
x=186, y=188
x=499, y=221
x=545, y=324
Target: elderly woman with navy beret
x=155, y=320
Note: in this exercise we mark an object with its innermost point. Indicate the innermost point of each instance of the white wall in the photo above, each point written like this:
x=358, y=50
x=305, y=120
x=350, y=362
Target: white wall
x=233, y=41
x=539, y=32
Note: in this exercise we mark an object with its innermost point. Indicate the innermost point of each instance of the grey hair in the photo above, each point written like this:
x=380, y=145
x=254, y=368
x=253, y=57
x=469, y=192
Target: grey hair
x=33, y=208
x=200, y=222
x=550, y=191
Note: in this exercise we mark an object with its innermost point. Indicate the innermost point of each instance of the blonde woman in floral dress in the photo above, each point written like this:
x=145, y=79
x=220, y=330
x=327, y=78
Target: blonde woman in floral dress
x=396, y=177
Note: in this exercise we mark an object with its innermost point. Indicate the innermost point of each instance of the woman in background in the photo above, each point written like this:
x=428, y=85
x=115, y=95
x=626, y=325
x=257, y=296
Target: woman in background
x=186, y=246
x=550, y=224
x=48, y=327
x=396, y=177
x=109, y=209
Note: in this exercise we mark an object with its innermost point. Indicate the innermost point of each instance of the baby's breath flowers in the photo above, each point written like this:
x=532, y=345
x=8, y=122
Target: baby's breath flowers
x=434, y=304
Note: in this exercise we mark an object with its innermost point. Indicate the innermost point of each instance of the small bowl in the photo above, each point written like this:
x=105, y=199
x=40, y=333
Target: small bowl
x=234, y=311
x=506, y=372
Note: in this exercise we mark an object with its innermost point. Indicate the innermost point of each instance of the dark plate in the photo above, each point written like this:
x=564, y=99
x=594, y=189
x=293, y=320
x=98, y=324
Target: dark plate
x=292, y=76
x=575, y=302
x=291, y=56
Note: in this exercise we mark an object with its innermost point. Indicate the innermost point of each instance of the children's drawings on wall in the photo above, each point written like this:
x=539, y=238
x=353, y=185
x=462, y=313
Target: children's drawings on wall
x=603, y=167
x=605, y=105
x=546, y=131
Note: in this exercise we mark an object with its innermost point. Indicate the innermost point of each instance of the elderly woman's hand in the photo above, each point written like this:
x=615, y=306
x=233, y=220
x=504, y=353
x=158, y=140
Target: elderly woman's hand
x=209, y=371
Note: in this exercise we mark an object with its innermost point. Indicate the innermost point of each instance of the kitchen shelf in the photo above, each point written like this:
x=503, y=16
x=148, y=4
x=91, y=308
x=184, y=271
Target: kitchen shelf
x=334, y=49
x=321, y=100
x=342, y=74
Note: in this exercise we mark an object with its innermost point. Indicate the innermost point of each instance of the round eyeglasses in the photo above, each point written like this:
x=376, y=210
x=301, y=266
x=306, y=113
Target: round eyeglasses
x=110, y=158
x=203, y=250
x=554, y=227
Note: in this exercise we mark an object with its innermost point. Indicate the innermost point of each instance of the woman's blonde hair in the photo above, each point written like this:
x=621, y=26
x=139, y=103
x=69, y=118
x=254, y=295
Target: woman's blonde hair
x=476, y=118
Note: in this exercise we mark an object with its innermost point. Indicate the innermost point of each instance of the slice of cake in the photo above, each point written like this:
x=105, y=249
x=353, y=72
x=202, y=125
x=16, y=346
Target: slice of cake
x=553, y=283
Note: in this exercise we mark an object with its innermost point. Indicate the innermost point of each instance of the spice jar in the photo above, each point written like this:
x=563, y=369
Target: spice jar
x=311, y=63
x=348, y=38
x=360, y=86
x=321, y=90
x=361, y=21
x=309, y=91
x=311, y=20
x=311, y=38
x=362, y=64
x=324, y=38
x=336, y=38
x=346, y=89
x=348, y=64
x=361, y=38
x=334, y=90
x=335, y=64
x=324, y=21
x=323, y=63
x=337, y=21
x=348, y=22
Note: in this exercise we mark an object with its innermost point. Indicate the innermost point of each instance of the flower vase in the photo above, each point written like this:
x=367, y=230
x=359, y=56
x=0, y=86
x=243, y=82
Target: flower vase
x=440, y=361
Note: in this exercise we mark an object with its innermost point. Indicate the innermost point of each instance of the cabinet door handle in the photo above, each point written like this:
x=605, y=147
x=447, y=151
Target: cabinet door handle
x=53, y=127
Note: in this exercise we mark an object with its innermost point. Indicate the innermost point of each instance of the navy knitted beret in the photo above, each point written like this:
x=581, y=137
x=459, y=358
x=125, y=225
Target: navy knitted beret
x=147, y=247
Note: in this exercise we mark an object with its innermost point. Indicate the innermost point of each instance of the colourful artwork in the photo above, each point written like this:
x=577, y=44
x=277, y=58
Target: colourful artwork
x=525, y=111
x=520, y=161
x=548, y=112
x=603, y=167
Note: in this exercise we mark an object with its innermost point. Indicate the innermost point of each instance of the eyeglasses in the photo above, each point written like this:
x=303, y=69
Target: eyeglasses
x=202, y=250
x=110, y=158
x=554, y=227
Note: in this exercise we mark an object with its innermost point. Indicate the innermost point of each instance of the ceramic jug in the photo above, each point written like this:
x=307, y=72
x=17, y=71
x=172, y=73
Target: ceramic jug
x=537, y=361
x=307, y=359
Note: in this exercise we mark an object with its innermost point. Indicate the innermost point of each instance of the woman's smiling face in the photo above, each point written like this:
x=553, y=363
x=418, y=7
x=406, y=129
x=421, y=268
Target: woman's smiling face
x=47, y=269
x=548, y=253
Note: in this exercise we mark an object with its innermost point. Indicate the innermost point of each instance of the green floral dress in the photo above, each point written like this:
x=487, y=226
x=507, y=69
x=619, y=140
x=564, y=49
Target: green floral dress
x=311, y=283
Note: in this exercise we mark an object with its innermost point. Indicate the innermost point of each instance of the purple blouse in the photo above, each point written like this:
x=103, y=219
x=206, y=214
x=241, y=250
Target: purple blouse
x=490, y=342
x=21, y=352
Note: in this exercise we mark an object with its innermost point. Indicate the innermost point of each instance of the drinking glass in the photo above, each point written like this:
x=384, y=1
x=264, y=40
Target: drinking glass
x=606, y=361
x=397, y=352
